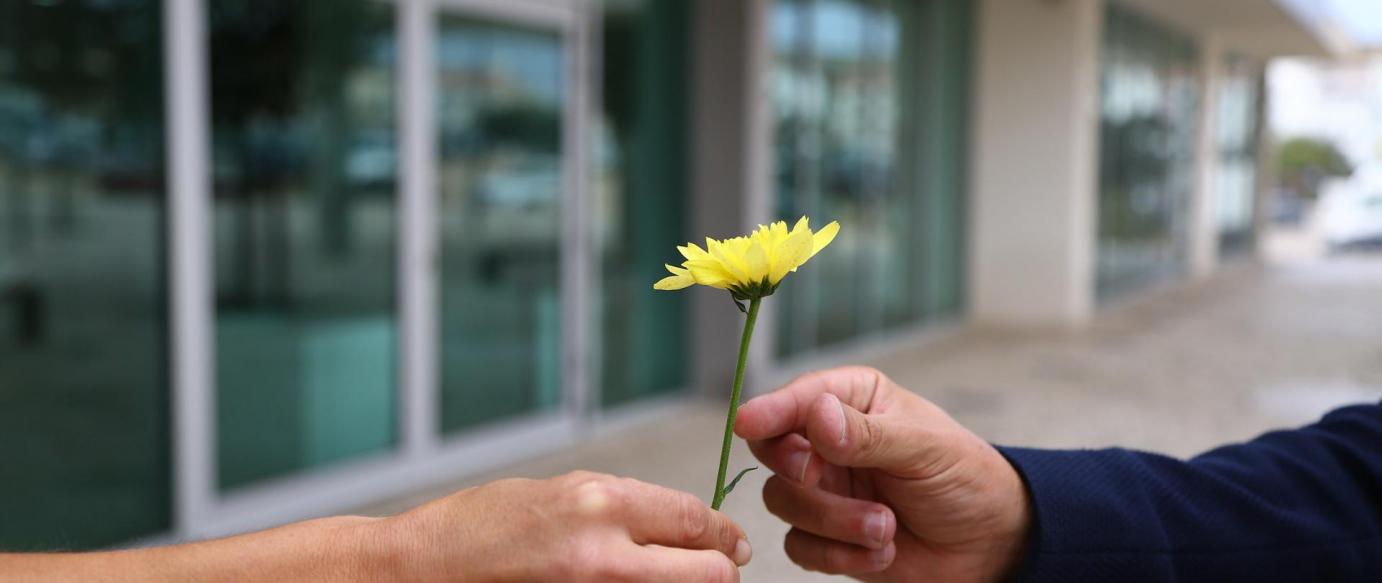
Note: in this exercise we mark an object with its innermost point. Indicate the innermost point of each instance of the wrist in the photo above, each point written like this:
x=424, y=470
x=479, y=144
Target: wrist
x=1016, y=541
x=368, y=549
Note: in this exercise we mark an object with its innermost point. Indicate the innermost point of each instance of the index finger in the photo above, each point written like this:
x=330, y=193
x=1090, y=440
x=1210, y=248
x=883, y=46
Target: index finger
x=662, y=516
x=785, y=410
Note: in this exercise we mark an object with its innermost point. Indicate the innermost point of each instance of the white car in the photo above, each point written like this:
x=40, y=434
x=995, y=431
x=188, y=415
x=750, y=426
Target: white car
x=1350, y=210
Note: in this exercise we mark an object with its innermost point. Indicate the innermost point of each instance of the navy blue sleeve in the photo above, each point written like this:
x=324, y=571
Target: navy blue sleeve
x=1299, y=505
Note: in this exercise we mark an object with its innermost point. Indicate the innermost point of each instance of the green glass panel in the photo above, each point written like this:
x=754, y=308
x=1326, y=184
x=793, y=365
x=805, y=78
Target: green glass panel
x=500, y=94
x=871, y=103
x=84, y=447
x=641, y=195
x=304, y=139
x=1148, y=122
x=1236, y=139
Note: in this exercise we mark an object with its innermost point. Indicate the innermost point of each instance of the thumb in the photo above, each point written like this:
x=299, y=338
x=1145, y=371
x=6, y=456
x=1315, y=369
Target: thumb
x=845, y=437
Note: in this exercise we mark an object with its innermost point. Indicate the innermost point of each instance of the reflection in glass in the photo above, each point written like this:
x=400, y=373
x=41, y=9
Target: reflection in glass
x=1148, y=124
x=499, y=98
x=641, y=194
x=304, y=157
x=1236, y=135
x=83, y=389
x=870, y=98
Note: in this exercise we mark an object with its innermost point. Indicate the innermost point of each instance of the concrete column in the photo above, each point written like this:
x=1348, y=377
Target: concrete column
x=1033, y=216
x=1204, y=224
x=1268, y=172
x=731, y=174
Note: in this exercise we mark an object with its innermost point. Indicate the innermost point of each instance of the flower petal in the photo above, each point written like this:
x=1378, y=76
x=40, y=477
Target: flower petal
x=709, y=273
x=791, y=254
x=729, y=256
x=823, y=237
x=674, y=282
x=757, y=261
x=692, y=251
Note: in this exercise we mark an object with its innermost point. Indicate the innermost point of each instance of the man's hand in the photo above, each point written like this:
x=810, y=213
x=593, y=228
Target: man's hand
x=880, y=484
x=577, y=527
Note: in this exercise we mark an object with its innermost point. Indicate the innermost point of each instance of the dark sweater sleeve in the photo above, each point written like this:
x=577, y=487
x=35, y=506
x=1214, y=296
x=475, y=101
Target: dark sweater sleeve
x=1299, y=505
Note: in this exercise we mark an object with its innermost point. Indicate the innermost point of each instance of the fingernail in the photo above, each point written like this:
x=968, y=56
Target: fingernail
x=797, y=462
x=874, y=527
x=742, y=552
x=843, y=430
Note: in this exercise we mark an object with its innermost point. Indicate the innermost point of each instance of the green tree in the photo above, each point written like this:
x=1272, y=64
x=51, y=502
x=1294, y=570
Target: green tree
x=1305, y=162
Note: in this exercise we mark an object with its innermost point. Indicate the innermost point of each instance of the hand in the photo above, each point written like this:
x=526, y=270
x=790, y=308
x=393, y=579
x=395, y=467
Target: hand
x=576, y=527
x=880, y=484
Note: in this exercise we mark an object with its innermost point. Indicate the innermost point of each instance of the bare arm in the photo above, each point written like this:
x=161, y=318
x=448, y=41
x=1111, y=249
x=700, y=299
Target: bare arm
x=577, y=527
x=329, y=548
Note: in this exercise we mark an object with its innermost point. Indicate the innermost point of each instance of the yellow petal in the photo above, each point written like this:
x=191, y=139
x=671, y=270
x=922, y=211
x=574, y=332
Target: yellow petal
x=691, y=251
x=791, y=254
x=780, y=230
x=757, y=262
x=730, y=259
x=674, y=282
x=709, y=273
x=823, y=237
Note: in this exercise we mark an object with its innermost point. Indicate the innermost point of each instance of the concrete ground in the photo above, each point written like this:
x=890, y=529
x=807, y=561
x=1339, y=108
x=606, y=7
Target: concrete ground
x=1256, y=347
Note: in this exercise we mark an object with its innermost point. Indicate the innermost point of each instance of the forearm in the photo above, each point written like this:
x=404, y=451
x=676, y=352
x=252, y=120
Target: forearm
x=329, y=549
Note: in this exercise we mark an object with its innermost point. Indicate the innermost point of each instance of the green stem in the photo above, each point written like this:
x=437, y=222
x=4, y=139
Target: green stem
x=734, y=403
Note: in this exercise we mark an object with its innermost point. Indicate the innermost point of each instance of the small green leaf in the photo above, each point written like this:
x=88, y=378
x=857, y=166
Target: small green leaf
x=738, y=305
x=735, y=482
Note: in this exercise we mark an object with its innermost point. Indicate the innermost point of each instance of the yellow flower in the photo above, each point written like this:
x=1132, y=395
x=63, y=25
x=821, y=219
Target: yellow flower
x=749, y=266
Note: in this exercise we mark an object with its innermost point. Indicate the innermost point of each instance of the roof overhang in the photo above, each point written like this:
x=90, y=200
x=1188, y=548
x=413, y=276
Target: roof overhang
x=1255, y=28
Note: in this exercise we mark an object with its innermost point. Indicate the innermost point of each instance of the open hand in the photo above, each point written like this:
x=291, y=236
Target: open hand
x=577, y=527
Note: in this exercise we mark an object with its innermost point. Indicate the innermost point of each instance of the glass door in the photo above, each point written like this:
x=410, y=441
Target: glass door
x=502, y=94
x=84, y=395
x=303, y=215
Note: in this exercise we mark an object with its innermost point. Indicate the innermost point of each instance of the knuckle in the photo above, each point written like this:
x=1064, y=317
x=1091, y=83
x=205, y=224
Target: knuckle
x=833, y=559
x=692, y=518
x=870, y=437
x=579, y=477
x=721, y=571
x=592, y=498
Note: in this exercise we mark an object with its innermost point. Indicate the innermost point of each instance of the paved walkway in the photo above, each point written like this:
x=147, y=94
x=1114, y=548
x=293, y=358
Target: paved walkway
x=1252, y=349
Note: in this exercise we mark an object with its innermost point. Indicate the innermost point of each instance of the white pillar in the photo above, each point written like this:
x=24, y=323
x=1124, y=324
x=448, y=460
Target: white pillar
x=1204, y=225
x=1035, y=163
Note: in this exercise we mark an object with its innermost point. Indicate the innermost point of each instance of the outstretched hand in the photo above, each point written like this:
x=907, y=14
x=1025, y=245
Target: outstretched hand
x=577, y=527
x=880, y=484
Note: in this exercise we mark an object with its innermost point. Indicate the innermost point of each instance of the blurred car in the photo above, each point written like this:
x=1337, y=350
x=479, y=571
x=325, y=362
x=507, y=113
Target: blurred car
x=1350, y=210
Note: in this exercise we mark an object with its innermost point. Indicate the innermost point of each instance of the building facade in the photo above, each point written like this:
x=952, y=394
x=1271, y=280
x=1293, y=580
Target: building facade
x=261, y=260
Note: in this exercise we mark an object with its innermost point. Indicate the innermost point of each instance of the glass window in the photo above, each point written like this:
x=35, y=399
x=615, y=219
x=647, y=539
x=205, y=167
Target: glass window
x=1147, y=151
x=1236, y=137
x=641, y=192
x=305, y=159
x=500, y=99
x=871, y=103
x=83, y=349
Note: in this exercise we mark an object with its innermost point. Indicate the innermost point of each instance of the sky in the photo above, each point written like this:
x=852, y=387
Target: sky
x=1360, y=19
